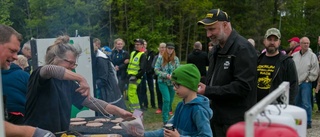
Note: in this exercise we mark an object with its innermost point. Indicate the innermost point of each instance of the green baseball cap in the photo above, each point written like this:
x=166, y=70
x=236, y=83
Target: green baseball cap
x=273, y=31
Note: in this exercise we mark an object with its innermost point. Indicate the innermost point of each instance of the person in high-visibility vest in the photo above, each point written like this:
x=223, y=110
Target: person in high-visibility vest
x=135, y=70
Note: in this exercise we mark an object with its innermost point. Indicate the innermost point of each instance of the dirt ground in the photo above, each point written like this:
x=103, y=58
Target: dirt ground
x=315, y=130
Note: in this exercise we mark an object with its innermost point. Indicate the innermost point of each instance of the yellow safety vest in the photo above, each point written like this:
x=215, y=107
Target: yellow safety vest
x=134, y=63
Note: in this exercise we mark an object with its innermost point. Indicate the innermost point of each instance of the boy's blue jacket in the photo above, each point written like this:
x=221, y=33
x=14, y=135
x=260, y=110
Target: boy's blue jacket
x=191, y=119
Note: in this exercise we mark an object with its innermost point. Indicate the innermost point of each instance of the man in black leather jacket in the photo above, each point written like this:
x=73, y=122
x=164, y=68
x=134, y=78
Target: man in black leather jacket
x=232, y=77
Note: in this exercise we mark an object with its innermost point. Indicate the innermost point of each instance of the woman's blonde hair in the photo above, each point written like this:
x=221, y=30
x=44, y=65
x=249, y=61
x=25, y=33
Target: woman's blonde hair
x=115, y=42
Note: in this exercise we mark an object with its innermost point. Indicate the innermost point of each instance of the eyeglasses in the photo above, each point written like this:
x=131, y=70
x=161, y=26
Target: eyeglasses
x=176, y=85
x=71, y=62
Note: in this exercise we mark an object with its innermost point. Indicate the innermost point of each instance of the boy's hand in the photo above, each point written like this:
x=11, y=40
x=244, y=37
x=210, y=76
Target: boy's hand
x=170, y=133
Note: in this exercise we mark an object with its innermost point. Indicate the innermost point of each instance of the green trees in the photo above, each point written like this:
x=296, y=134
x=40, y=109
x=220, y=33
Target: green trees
x=159, y=20
x=5, y=6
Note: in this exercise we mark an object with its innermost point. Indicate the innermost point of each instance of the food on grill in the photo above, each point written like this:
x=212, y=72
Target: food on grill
x=116, y=127
x=117, y=120
x=78, y=123
x=94, y=124
x=77, y=119
x=102, y=120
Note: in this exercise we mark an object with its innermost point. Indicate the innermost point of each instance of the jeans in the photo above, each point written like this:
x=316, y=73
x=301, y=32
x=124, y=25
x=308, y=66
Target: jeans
x=303, y=99
x=167, y=97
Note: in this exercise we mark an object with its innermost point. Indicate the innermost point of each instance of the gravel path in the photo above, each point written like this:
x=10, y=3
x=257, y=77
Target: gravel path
x=315, y=130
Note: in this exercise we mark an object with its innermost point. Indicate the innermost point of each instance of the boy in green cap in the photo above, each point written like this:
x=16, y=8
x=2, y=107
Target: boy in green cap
x=192, y=115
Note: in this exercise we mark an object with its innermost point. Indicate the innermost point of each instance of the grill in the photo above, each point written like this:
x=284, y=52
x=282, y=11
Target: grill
x=106, y=128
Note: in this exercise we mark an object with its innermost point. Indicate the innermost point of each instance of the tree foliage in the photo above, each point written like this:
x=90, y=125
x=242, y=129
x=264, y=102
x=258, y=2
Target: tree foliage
x=159, y=20
x=5, y=6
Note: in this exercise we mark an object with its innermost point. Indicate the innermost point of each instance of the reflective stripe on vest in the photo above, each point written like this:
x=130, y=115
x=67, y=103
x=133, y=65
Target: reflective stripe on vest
x=134, y=63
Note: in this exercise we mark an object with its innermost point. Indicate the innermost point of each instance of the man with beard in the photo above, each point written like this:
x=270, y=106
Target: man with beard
x=274, y=68
x=232, y=78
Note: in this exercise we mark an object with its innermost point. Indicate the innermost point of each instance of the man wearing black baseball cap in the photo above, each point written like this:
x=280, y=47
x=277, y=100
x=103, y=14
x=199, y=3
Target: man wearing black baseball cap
x=231, y=80
x=136, y=69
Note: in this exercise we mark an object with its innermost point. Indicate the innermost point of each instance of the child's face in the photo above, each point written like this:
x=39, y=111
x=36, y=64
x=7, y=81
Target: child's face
x=181, y=91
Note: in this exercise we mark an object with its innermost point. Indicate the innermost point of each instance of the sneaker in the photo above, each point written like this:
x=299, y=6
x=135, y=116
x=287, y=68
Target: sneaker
x=159, y=111
x=170, y=113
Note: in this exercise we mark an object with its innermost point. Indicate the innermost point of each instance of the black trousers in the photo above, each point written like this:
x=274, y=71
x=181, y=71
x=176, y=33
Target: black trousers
x=151, y=90
x=318, y=100
x=142, y=92
x=219, y=130
x=159, y=95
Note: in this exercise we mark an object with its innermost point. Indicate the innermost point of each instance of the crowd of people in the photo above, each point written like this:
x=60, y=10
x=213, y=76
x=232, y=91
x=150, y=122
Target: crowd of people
x=213, y=99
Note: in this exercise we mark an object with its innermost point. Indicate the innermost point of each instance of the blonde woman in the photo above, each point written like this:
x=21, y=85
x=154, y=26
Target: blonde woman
x=120, y=60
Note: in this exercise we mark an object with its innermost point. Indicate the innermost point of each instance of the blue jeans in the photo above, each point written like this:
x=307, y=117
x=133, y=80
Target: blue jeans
x=167, y=98
x=303, y=99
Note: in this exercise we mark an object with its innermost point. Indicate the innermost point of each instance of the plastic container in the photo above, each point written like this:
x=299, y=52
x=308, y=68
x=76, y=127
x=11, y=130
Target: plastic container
x=299, y=115
x=274, y=117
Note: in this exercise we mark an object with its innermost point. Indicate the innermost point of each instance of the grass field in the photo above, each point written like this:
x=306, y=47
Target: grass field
x=152, y=120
